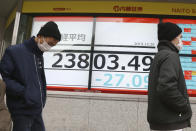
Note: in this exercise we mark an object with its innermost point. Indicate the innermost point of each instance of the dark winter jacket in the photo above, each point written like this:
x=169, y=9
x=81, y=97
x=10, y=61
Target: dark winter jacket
x=22, y=70
x=168, y=102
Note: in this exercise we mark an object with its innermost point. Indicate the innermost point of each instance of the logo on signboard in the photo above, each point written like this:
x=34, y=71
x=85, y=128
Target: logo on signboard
x=118, y=8
x=183, y=10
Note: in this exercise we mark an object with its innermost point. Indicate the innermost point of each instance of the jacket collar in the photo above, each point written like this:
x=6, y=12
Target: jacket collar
x=32, y=46
x=167, y=45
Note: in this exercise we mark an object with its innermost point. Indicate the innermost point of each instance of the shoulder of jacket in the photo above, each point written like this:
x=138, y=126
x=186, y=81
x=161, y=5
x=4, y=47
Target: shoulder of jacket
x=14, y=48
x=166, y=55
x=173, y=55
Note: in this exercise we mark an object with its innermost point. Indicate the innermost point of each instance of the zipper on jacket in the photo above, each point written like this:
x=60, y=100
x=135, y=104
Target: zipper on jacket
x=38, y=80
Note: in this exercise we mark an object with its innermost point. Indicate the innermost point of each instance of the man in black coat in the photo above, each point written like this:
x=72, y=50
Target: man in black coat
x=168, y=102
x=22, y=69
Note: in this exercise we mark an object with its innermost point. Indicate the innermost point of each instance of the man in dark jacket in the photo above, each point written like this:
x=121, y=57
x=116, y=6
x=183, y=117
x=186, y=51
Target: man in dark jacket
x=22, y=69
x=168, y=102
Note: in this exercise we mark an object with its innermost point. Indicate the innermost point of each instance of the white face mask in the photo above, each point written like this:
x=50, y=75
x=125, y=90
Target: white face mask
x=44, y=46
x=180, y=44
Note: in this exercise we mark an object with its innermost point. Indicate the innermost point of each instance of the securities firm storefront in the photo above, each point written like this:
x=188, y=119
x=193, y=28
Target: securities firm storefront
x=107, y=46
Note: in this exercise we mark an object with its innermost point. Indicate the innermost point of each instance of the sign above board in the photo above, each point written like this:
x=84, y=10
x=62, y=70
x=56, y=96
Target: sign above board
x=153, y=8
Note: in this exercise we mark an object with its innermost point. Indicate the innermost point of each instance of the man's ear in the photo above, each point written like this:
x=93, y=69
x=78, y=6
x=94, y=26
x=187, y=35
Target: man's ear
x=41, y=39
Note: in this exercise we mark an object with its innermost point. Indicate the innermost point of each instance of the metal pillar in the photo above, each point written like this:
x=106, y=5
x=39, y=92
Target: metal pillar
x=17, y=22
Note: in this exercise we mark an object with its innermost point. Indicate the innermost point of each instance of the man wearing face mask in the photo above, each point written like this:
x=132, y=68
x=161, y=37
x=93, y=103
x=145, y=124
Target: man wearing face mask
x=168, y=103
x=22, y=69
